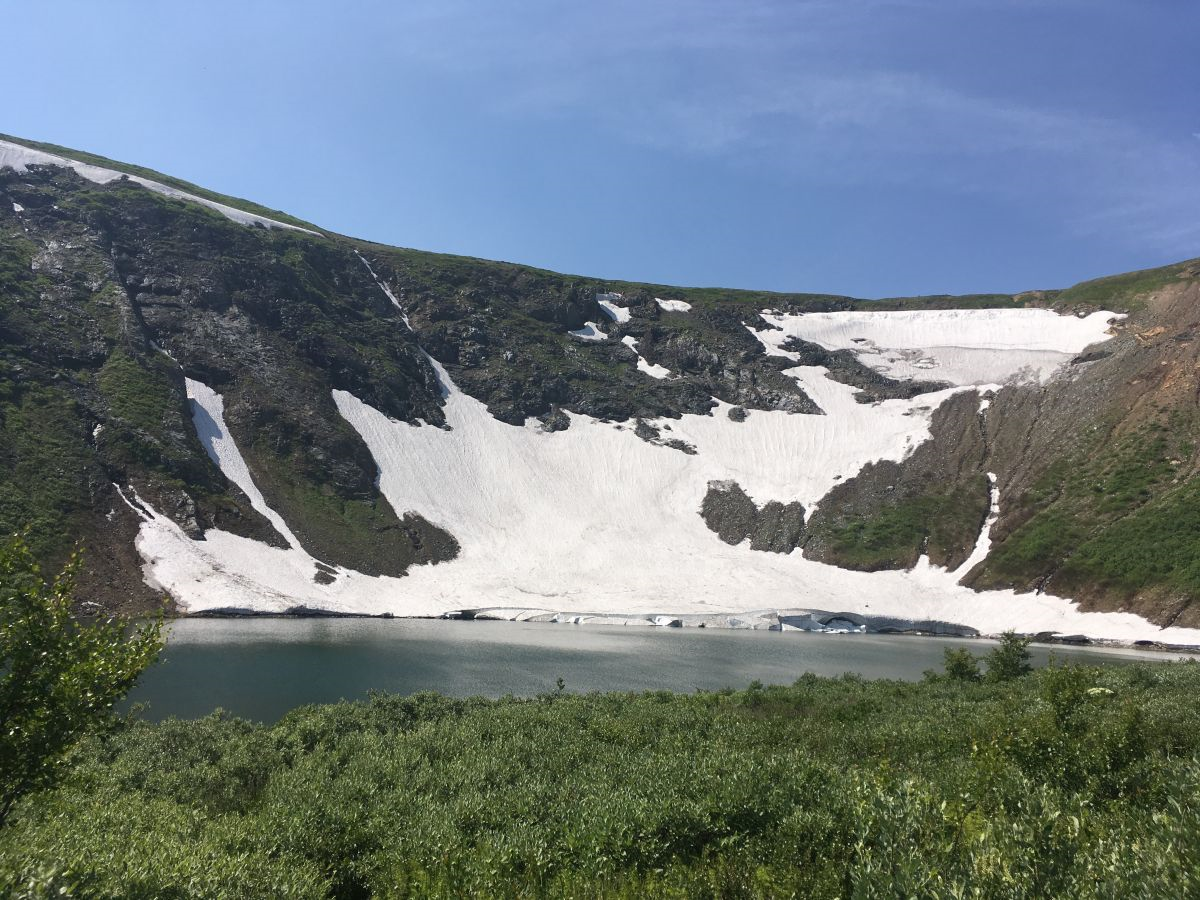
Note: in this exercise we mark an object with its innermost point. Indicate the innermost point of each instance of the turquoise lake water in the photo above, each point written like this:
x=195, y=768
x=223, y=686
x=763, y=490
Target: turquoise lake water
x=261, y=668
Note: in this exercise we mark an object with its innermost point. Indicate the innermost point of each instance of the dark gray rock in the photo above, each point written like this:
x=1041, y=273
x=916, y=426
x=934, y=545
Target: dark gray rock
x=844, y=366
x=728, y=511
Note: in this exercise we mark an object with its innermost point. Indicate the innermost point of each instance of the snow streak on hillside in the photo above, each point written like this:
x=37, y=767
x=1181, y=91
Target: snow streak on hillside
x=228, y=572
x=20, y=157
x=208, y=417
x=654, y=370
x=593, y=519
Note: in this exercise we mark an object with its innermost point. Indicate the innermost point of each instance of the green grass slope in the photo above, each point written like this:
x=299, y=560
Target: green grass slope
x=1125, y=292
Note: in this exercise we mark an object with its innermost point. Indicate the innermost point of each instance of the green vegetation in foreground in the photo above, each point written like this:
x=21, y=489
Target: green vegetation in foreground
x=58, y=677
x=1069, y=782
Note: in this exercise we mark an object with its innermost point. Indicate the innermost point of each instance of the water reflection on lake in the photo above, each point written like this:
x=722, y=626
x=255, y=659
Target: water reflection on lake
x=261, y=668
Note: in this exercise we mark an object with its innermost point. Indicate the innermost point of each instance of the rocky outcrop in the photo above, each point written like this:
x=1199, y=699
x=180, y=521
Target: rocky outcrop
x=845, y=367
x=775, y=527
x=934, y=502
x=1097, y=471
x=112, y=296
x=503, y=333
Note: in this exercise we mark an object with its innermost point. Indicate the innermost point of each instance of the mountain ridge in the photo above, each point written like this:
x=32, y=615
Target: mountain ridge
x=251, y=207
x=114, y=296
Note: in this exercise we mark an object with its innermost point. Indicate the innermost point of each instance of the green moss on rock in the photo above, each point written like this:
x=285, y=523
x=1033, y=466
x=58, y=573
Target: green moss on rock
x=45, y=465
x=897, y=533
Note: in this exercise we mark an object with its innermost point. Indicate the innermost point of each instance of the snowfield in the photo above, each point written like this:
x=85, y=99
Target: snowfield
x=590, y=332
x=593, y=520
x=957, y=346
x=673, y=305
x=20, y=157
x=225, y=571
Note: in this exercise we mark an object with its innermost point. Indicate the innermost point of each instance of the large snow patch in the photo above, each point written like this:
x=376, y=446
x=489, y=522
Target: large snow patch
x=228, y=572
x=957, y=346
x=594, y=520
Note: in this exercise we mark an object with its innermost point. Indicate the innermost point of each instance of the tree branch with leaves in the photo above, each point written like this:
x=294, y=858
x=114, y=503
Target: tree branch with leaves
x=59, y=676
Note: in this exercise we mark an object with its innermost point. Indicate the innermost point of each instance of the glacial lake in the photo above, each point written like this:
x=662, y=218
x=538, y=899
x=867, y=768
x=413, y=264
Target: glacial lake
x=261, y=668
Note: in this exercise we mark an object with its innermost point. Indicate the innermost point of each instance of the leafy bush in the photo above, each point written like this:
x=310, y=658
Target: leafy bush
x=1010, y=659
x=58, y=676
x=1072, y=782
x=961, y=664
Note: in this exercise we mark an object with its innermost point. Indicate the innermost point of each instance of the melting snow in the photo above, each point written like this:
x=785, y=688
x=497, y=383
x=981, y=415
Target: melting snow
x=227, y=572
x=18, y=208
x=208, y=417
x=654, y=370
x=590, y=332
x=383, y=287
x=673, y=305
x=959, y=346
x=983, y=544
x=19, y=158
x=593, y=520
x=614, y=312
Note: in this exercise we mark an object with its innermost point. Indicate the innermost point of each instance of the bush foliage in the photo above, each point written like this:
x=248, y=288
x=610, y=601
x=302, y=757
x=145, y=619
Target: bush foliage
x=1068, y=782
x=58, y=676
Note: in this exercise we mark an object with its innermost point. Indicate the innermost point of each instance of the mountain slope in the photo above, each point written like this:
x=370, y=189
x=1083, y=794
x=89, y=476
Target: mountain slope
x=234, y=406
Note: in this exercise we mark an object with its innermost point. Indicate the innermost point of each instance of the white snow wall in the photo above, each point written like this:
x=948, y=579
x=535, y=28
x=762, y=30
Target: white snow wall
x=593, y=519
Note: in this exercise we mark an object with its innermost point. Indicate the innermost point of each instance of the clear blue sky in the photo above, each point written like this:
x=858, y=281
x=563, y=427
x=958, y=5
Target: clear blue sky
x=868, y=147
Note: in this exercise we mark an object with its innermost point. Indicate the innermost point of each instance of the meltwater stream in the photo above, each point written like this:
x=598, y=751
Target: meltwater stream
x=261, y=668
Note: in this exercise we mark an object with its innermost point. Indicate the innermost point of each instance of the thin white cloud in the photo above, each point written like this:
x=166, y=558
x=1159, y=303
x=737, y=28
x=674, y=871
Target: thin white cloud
x=788, y=86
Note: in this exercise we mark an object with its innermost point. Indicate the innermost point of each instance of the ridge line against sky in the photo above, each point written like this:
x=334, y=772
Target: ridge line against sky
x=864, y=147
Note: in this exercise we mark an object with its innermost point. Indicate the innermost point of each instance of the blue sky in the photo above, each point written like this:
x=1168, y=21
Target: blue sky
x=867, y=147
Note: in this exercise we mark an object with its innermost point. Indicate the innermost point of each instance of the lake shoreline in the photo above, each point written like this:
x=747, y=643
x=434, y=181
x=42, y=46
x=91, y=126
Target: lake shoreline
x=260, y=668
x=790, y=619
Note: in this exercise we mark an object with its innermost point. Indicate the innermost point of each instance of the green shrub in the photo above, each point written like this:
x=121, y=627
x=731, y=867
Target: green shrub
x=59, y=677
x=1010, y=659
x=961, y=664
x=1072, y=782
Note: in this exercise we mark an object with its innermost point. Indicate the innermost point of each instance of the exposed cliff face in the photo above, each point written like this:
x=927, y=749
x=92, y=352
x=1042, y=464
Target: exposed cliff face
x=504, y=334
x=1095, y=470
x=1099, y=469
x=934, y=502
x=750, y=415
x=117, y=294
x=775, y=527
